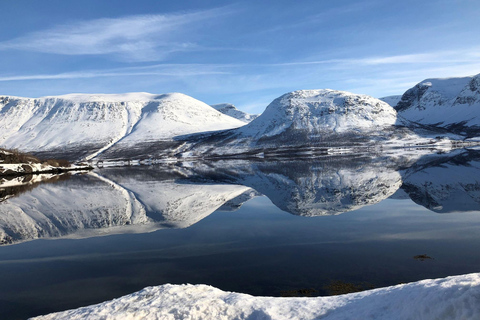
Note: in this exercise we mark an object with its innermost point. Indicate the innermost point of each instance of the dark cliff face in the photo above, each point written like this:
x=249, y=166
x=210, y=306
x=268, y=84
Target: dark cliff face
x=411, y=96
x=471, y=94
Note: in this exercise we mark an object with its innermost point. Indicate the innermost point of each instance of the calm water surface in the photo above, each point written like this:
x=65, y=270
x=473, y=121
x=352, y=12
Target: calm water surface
x=258, y=228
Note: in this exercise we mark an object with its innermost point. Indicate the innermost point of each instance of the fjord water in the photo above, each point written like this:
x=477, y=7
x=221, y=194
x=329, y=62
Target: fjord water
x=315, y=226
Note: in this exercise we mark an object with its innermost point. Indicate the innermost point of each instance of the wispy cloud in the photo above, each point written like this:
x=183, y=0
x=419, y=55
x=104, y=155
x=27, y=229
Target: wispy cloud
x=458, y=56
x=448, y=60
x=166, y=70
x=253, y=85
x=136, y=38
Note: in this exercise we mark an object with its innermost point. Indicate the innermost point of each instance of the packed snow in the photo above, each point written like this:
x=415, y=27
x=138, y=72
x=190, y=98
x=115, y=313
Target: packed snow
x=456, y=297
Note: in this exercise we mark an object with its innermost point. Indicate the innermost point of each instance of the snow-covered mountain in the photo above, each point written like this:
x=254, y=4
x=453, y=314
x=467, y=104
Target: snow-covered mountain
x=451, y=103
x=321, y=112
x=307, y=118
x=81, y=126
x=230, y=110
x=145, y=126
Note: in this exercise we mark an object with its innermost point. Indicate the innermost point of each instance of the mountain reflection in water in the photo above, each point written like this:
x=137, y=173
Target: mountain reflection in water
x=147, y=198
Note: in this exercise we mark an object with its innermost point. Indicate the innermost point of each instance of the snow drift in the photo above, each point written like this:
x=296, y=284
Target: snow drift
x=450, y=298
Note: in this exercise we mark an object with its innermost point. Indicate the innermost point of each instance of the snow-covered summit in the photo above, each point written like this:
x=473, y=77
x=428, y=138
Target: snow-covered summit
x=232, y=111
x=322, y=111
x=451, y=103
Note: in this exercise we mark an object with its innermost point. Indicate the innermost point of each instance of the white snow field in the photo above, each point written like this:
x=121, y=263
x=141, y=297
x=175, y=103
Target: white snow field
x=97, y=122
x=456, y=297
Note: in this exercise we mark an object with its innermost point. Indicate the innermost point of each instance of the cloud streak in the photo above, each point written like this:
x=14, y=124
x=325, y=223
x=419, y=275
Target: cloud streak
x=133, y=38
x=446, y=59
x=470, y=55
x=167, y=70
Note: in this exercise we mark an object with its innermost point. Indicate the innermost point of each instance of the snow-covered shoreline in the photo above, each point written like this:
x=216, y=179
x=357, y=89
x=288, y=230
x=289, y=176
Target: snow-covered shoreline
x=455, y=297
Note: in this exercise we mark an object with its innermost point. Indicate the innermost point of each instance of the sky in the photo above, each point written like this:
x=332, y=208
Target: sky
x=242, y=52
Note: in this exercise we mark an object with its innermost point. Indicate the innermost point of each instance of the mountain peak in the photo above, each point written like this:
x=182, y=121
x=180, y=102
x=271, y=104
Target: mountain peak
x=323, y=111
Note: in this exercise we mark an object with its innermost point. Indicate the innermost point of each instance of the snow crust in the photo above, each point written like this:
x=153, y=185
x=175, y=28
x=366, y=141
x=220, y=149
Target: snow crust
x=455, y=297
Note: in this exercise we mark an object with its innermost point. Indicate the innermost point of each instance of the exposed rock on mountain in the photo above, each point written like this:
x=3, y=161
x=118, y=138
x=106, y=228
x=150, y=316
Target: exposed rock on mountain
x=451, y=103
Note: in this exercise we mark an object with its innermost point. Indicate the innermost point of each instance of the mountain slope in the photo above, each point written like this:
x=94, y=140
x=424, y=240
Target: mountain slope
x=81, y=126
x=451, y=103
x=230, y=110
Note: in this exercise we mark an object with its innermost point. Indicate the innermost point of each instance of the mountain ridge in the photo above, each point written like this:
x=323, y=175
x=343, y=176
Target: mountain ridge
x=136, y=126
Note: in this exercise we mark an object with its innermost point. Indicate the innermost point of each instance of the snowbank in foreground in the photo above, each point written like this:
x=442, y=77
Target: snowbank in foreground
x=456, y=297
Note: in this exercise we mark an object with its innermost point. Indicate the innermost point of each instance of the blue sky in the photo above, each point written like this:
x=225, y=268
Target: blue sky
x=245, y=52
